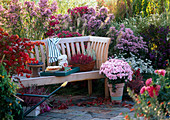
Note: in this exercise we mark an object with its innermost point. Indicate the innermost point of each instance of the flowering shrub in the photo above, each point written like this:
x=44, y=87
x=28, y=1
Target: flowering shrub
x=117, y=71
x=151, y=89
x=27, y=20
x=81, y=59
x=127, y=42
x=78, y=11
x=10, y=107
x=157, y=40
x=84, y=20
x=65, y=34
x=57, y=24
x=149, y=104
x=16, y=52
x=98, y=22
x=136, y=63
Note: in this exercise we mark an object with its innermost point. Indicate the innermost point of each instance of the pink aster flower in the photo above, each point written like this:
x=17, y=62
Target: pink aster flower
x=142, y=90
x=160, y=72
x=158, y=87
x=148, y=81
x=152, y=91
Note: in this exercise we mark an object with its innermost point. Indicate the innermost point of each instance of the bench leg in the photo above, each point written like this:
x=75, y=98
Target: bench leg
x=106, y=89
x=90, y=87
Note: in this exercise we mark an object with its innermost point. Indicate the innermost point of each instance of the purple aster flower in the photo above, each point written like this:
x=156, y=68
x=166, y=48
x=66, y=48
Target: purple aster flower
x=91, y=11
x=103, y=10
x=111, y=16
x=33, y=13
x=122, y=26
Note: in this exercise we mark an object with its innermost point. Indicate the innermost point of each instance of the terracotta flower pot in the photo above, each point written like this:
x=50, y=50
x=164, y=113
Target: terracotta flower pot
x=116, y=96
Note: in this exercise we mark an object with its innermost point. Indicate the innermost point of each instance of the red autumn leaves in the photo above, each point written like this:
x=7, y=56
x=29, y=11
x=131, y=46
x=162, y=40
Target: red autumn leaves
x=16, y=52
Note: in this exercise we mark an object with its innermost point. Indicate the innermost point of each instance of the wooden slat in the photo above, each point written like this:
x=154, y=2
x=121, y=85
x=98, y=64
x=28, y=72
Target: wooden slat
x=47, y=53
x=102, y=54
x=99, y=55
x=101, y=39
x=74, y=39
x=63, y=48
x=47, y=80
x=88, y=45
x=37, y=53
x=78, y=48
x=42, y=56
x=92, y=45
x=82, y=47
x=68, y=51
x=97, y=50
x=73, y=49
x=95, y=45
x=106, y=50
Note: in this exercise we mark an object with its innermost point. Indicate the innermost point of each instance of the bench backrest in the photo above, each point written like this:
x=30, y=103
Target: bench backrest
x=76, y=45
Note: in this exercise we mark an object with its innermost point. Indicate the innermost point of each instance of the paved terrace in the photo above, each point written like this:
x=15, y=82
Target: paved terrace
x=102, y=112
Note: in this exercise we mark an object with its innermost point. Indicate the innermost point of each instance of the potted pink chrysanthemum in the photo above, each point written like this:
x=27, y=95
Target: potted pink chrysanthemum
x=118, y=72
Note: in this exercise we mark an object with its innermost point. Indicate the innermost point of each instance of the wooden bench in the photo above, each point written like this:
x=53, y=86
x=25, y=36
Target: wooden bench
x=71, y=46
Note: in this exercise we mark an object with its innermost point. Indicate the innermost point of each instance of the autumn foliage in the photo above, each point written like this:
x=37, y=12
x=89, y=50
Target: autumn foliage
x=16, y=52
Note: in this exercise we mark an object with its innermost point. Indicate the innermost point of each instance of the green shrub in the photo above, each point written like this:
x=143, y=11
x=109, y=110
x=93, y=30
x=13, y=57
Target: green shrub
x=64, y=5
x=130, y=8
x=10, y=107
x=139, y=24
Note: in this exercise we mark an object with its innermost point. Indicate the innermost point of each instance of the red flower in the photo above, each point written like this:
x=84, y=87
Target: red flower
x=28, y=76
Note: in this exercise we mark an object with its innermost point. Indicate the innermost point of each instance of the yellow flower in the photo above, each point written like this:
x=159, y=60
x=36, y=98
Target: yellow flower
x=154, y=47
x=2, y=76
x=10, y=104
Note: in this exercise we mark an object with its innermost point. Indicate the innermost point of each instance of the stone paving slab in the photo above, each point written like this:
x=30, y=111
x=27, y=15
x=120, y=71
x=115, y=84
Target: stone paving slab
x=83, y=113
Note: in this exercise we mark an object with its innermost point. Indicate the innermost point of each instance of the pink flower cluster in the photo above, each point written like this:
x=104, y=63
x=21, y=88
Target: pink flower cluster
x=78, y=11
x=116, y=69
x=160, y=72
x=57, y=23
x=151, y=89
